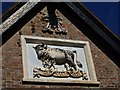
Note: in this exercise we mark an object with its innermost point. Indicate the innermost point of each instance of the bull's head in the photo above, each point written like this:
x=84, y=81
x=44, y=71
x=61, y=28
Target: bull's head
x=40, y=47
x=40, y=50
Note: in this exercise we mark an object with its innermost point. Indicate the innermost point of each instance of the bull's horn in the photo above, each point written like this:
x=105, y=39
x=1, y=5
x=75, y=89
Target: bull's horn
x=42, y=44
x=45, y=46
x=33, y=47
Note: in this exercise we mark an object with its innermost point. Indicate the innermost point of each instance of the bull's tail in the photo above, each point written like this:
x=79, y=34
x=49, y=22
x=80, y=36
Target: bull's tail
x=77, y=61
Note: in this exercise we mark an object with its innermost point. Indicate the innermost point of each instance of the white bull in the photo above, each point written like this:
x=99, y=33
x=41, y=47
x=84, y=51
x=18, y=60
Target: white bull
x=56, y=56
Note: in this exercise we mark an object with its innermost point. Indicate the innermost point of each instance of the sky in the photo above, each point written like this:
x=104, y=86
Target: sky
x=107, y=12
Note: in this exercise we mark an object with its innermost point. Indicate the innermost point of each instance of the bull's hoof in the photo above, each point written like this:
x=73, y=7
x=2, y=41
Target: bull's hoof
x=45, y=30
x=64, y=32
x=58, y=31
x=50, y=31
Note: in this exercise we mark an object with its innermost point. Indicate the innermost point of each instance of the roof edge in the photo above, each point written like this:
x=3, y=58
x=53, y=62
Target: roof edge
x=17, y=15
x=12, y=9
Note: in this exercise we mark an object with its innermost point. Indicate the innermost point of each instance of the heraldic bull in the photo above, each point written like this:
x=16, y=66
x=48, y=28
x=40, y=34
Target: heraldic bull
x=56, y=56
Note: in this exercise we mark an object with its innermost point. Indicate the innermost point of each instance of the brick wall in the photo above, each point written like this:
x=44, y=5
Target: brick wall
x=108, y=74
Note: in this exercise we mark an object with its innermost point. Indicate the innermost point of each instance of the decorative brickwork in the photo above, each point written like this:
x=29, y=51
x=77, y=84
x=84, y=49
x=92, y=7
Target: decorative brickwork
x=108, y=74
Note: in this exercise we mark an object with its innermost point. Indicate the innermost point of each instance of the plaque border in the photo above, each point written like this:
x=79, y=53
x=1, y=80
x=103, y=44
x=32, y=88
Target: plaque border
x=62, y=42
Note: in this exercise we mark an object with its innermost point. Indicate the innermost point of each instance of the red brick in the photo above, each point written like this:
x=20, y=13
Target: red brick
x=107, y=72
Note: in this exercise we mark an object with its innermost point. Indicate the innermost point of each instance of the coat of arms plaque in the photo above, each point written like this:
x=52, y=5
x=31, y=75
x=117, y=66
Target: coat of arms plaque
x=57, y=60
